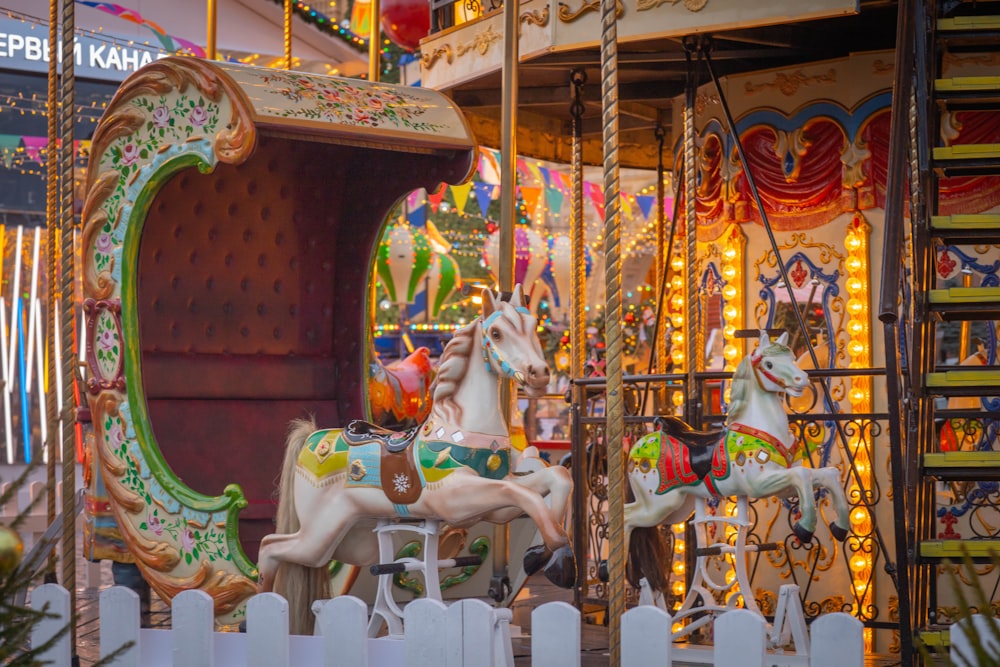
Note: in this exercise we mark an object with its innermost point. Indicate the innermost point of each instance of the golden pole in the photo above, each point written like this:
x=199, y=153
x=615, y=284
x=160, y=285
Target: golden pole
x=505, y=274
x=691, y=353
x=612, y=327
x=374, y=37
x=288, y=34
x=213, y=15
x=52, y=224
x=578, y=279
x=67, y=411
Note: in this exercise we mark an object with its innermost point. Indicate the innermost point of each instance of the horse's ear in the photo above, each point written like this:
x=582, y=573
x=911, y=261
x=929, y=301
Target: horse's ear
x=764, y=340
x=489, y=302
x=516, y=297
x=783, y=339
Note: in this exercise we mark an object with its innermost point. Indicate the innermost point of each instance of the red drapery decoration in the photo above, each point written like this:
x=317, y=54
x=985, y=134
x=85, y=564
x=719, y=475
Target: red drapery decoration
x=797, y=190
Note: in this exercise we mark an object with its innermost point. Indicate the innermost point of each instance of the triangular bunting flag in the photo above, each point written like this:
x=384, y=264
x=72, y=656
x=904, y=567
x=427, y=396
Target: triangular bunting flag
x=530, y=197
x=561, y=181
x=645, y=203
x=536, y=172
x=417, y=216
x=595, y=194
x=416, y=199
x=435, y=199
x=554, y=199
x=668, y=207
x=484, y=195
x=33, y=147
x=545, y=176
x=461, y=195
x=8, y=146
x=626, y=204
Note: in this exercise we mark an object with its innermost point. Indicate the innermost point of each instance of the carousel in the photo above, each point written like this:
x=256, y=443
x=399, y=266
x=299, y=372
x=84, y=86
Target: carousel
x=738, y=438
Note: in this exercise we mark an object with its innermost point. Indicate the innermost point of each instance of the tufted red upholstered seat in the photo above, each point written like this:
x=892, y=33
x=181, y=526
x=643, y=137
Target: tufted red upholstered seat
x=251, y=285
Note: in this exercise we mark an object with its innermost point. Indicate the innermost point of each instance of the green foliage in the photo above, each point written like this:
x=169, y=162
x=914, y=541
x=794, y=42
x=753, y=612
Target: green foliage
x=18, y=621
x=984, y=647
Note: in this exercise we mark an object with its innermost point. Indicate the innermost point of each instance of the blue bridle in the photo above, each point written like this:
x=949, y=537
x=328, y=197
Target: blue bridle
x=490, y=351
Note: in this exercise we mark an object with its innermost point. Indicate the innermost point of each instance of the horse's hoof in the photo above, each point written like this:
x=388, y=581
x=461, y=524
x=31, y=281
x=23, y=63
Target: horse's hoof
x=561, y=568
x=805, y=536
x=535, y=558
x=839, y=534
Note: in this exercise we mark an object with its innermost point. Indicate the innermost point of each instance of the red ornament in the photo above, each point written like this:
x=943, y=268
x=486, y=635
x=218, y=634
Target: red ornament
x=406, y=22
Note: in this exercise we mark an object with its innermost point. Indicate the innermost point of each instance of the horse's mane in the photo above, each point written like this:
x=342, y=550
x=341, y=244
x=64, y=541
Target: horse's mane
x=743, y=378
x=451, y=370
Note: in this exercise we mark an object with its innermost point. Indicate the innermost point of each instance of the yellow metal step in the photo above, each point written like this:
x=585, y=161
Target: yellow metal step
x=969, y=23
x=967, y=84
x=940, y=639
x=977, y=222
x=963, y=378
x=988, y=295
x=986, y=460
x=967, y=152
x=958, y=549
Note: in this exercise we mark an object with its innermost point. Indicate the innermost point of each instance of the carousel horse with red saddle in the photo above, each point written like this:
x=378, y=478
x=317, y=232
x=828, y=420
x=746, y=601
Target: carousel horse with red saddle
x=755, y=456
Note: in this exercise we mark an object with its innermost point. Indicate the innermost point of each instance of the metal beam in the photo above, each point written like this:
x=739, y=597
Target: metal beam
x=542, y=95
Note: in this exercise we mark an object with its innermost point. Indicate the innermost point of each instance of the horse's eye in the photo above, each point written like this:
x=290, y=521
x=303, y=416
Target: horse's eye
x=769, y=365
x=495, y=333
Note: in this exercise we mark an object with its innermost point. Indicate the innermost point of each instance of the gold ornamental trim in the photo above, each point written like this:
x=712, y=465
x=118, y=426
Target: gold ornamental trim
x=428, y=60
x=789, y=84
x=481, y=42
x=567, y=15
x=536, y=17
x=690, y=5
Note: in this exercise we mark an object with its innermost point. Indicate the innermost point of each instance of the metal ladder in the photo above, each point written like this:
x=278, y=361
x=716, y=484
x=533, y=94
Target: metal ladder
x=948, y=412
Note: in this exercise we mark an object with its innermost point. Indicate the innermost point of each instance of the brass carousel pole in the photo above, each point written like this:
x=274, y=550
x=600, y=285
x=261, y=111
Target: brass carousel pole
x=692, y=353
x=287, y=34
x=213, y=15
x=508, y=176
x=374, y=36
x=615, y=406
x=51, y=257
x=67, y=415
x=662, y=269
x=577, y=341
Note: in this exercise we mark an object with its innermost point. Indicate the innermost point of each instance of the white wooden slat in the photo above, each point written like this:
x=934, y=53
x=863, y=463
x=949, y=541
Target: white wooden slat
x=645, y=637
x=740, y=639
x=503, y=650
x=119, y=609
x=57, y=599
x=192, y=618
x=470, y=630
x=267, y=631
x=424, y=635
x=343, y=624
x=962, y=652
x=837, y=640
x=555, y=635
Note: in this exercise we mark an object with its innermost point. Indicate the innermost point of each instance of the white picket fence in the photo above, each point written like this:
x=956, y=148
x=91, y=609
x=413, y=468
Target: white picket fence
x=468, y=633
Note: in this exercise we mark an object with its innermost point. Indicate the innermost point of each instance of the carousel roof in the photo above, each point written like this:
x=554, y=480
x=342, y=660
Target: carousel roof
x=651, y=76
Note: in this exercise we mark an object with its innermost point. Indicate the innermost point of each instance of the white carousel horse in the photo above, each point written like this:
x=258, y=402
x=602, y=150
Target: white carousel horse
x=455, y=467
x=754, y=456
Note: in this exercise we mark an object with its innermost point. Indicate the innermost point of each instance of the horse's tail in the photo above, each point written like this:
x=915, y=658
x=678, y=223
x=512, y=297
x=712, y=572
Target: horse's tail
x=648, y=556
x=298, y=584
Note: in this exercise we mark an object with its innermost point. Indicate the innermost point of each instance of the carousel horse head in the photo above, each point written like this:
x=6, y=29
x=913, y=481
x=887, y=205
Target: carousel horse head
x=510, y=342
x=772, y=368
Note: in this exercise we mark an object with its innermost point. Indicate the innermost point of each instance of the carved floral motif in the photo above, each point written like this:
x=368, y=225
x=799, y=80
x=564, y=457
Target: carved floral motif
x=341, y=102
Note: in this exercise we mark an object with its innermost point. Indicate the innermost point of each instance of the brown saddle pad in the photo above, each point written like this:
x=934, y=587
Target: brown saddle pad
x=400, y=479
